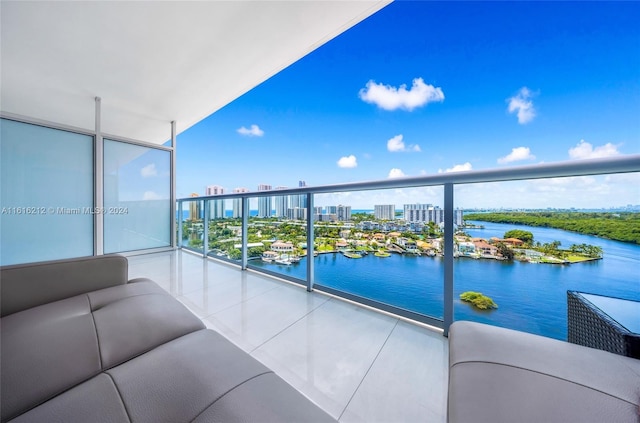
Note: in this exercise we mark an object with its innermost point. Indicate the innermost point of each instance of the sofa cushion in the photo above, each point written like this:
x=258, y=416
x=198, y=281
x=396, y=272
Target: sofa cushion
x=499, y=374
x=205, y=377
x=129, y=326
x=95, y=401
x=46, y=350
x=53, y=347
x=265, y=398
x=29, y=285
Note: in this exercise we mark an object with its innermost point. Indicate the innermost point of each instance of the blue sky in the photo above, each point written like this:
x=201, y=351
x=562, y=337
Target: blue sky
x=427, y=87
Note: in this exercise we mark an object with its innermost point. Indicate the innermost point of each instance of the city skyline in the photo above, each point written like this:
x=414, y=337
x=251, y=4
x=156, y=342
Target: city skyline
x=424, y=88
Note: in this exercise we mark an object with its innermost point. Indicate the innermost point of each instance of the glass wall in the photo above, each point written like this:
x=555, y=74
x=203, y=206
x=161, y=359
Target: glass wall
x=137, y=197
x=46, y=193
x=278, y=242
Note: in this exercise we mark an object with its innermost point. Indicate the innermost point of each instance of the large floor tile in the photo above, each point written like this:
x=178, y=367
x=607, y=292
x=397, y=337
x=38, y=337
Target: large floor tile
x=327, y=353
x=253, y=322
x=407, y=382
x=216, y=294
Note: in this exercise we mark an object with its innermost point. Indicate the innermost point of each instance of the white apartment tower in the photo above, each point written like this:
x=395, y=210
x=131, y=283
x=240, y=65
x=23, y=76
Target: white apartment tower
x=216, y=207
x=344, y=213
x=299, y=200
x=429, y=213
x=385, y=211
x=237, y=203
x=281, y=204
x=264, y=203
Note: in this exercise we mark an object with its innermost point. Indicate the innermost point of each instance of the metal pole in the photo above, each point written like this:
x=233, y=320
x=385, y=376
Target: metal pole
x=205, y=230
x=98, y=218
x=448, y=257
x=310, y=243
x=180, y=224
x=245, y=231
x=174, y=242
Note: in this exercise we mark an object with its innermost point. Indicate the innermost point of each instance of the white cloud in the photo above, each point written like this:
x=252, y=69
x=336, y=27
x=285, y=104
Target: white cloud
x=149, y=170
x=391, y=98
x=584, y=150
x=458, y=168
x=396, y=173
x=396, y=144
x=348, y=161
x=150, y=195
x=253, y=131
x=517, y=154
x=521, y=104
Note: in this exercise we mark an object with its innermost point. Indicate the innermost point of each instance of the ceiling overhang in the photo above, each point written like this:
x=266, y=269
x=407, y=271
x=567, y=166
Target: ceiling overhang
x=153, y=62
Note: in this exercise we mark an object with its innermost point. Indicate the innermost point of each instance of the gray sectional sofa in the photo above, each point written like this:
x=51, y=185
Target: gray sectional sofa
x=82, y=343
x=502, y=375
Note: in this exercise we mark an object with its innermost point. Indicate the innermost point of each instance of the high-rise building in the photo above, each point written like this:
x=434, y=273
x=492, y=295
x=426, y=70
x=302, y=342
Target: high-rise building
x=296, y=213
x=216, y=207
x=237, y=203
x=385, y=212
x=194, y=208
x=344, y=213
x=264, y=203
x=281, y=204
x=429, y=213
x=331, y=210
x=299, y=200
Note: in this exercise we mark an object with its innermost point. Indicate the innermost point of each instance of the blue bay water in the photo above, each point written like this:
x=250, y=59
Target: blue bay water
x=531, y=297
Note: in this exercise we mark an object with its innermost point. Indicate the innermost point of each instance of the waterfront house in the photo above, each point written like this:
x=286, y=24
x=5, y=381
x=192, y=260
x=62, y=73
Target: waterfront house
x=282, y=247
x=511, y=242
x=484, y=248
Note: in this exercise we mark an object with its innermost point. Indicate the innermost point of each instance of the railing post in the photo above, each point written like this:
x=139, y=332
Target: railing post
x=205, y=230
x=174, y=241
x=245, y=231
x=448, y=257
x=310, y=243
x=180, y=224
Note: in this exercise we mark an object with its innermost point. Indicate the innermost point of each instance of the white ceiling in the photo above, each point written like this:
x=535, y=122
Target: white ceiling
x=152, y=62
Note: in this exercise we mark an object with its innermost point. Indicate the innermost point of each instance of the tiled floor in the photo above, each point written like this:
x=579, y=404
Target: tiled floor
x=357, y=364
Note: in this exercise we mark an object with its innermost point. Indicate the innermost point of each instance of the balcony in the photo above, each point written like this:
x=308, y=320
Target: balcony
x=426, y=283
x=347, y=349
x=356, y=363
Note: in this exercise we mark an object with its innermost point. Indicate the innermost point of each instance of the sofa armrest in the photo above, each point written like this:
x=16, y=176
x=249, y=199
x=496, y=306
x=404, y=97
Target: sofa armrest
x=29, y=285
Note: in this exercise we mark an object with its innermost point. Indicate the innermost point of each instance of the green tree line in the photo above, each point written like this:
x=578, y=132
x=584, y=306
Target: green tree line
x=623, y=227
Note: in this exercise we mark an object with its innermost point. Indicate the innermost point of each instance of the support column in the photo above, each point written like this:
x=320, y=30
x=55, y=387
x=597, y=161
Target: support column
x=245, y=231
x=98, y=195
x=177, y=211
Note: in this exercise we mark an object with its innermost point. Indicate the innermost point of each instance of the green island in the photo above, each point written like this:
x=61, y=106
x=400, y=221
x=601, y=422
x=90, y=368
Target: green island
x=623, y=226
x=478, y=300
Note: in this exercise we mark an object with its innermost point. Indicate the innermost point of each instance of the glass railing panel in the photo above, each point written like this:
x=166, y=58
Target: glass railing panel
x=191, y=219
x=224, y=229
x=368, y=247
x=277, y=242
x=527, y=243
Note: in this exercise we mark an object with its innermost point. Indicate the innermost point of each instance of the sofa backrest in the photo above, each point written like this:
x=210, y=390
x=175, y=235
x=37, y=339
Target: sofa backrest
x=29, y=285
